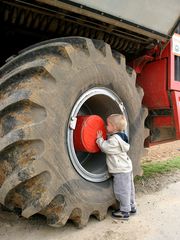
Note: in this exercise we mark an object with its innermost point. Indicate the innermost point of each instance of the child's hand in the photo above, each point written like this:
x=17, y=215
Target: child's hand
x=99, y=133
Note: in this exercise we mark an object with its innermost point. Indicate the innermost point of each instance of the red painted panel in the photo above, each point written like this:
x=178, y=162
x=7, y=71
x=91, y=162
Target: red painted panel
x=163, y=121
x=168, y=53
x=153, y=79
x=176, y=109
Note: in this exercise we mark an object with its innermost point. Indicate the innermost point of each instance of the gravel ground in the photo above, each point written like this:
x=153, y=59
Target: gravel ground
x=162, y=152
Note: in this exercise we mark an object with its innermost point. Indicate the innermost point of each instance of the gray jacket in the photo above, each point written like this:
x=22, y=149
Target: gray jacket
x=116, y=154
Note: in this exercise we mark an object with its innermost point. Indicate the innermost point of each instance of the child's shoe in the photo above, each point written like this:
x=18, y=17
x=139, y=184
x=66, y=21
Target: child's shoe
x=133, y=210
x=120, y=215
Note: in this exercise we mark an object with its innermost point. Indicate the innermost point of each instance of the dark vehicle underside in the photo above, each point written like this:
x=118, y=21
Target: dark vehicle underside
x=24, y=23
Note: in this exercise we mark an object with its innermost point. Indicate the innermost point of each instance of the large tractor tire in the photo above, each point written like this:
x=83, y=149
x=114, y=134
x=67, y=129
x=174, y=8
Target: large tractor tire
x=42, y=90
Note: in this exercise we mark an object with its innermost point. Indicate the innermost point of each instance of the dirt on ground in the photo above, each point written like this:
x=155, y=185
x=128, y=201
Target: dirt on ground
x=159, y=153
x=162, y=152
x=154, y=197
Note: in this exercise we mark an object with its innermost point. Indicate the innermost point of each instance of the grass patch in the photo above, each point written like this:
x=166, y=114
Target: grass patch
x=152, y=169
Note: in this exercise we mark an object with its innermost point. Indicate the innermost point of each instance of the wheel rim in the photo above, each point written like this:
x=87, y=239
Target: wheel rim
x=103, y=102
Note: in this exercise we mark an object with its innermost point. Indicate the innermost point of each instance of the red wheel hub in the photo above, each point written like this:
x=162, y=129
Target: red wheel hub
x=86, y=131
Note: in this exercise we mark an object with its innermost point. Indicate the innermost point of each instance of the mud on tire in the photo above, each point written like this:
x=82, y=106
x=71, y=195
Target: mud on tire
x=38, y=90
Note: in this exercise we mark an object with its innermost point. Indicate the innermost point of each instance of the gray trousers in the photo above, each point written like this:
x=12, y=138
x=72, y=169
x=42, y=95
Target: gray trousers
x=124, y=191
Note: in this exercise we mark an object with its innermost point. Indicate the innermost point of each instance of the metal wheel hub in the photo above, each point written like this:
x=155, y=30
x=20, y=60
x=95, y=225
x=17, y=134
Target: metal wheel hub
x=96, y=101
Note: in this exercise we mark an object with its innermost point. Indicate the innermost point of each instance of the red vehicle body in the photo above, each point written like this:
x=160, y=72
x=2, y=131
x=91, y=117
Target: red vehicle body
x=160, y=79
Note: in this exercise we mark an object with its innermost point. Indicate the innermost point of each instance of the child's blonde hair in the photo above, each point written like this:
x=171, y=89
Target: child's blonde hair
x=118, y=121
